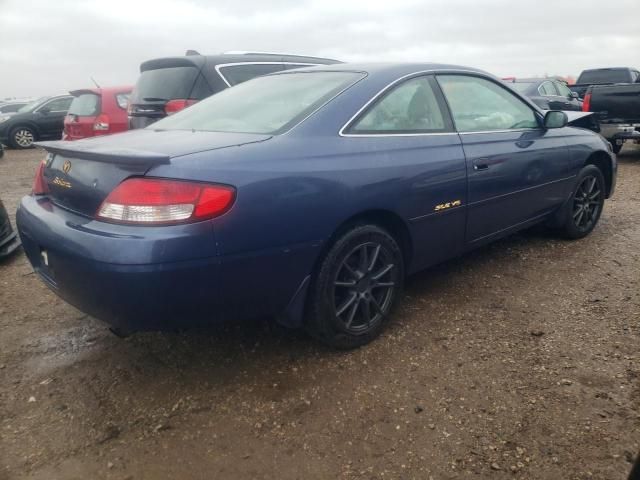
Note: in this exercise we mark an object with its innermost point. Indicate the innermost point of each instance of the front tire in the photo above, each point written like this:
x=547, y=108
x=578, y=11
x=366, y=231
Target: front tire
x=355, y=288
x=22, y=137
x=583, y=210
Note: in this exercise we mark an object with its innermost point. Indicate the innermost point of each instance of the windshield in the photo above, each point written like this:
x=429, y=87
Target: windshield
x=32, y=106
x=604, y=76
x=521, y=87
x=87, y=104
x=268, y=104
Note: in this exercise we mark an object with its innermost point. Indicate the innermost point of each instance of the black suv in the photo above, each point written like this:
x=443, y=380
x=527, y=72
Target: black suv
x=39, y=120
x=167, y=85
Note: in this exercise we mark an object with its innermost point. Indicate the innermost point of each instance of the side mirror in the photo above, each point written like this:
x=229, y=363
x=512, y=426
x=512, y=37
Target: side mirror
x=575, y=95
x=44, y=110
x=555, y=119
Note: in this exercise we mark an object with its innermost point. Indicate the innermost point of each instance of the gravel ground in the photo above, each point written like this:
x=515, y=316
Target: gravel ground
x=517, y=361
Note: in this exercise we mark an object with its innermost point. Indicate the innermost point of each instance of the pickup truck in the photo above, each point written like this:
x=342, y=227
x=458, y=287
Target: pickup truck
x=617, y=108
x=604, y=76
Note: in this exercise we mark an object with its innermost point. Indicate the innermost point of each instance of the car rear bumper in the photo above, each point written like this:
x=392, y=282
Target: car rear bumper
x=153, y=278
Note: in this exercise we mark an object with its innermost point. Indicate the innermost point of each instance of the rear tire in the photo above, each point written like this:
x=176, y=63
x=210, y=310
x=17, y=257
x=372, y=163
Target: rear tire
x=582, y=211
x=22, y=137
x=355, y=288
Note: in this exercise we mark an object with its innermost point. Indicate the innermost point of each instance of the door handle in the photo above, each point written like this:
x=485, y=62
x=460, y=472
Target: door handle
x=481, y=164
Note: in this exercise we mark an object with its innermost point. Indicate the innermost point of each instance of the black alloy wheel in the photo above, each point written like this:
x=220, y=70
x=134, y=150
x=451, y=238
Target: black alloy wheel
x=355, y=288
x=363, y=287
x=587, y=203
x=584, y=208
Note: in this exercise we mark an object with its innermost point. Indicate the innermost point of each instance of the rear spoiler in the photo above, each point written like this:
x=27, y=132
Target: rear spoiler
x=87, y=151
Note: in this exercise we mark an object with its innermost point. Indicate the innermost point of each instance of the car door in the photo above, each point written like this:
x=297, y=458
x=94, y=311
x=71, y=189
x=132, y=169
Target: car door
x=548, y=90
x=568, y=100
x=517, y=170
x=50, y=116
x=407, y=130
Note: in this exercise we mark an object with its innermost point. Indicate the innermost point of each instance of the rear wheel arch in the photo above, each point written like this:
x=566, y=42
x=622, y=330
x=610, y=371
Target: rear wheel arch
x=603, y=162
x=385, y=219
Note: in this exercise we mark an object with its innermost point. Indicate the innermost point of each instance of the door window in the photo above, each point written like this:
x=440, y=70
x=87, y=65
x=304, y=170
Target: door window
x=547, y=90
x=411, y=107
x=478, y=105
x=59, y=104
x=563, y=89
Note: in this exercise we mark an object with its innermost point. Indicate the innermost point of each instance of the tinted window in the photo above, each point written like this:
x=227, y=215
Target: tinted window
x=563, y=89
x=165, y=84
x=262, y=105
x=59, y=104
x=291, y=66
x=478, y=104
x=522, y=87
x=411, y=107
x=86, y=105
x=604, y=76
x=11, y=108
x=235, y=74
x=547, y=89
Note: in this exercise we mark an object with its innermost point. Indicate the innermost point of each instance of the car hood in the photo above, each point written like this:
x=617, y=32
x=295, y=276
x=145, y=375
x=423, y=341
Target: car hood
x=148, y=143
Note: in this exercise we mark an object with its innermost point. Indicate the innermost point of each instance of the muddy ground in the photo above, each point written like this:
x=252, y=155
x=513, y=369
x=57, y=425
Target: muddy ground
x=517, y=361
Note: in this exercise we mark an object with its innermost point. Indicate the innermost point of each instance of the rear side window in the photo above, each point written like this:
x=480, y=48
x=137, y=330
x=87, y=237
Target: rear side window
x=122, y=99
x=165, y=84
x=479, y=105
x=235, y=74
x=411, y=107
x=85, y=105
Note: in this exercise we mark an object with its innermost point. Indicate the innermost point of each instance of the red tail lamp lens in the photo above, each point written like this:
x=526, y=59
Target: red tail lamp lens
x=159, y=201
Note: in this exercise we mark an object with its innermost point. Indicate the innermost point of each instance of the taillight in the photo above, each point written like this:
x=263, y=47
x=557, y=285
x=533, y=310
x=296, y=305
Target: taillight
x=151, y=201
x=39, y=185
x=101, y=123
x=174, y=106
x=586, y=103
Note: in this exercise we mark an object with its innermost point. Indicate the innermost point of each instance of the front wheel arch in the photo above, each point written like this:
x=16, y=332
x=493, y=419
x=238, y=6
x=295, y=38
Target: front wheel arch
x=603, y=162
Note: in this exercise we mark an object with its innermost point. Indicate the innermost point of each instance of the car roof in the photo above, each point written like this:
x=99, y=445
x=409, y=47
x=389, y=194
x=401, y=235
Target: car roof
x=532, y=80
x=199, y=60
x=395, y=68
x=101, y=90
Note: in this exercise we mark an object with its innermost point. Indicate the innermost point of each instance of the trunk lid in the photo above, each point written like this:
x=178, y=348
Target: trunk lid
x=81, y=174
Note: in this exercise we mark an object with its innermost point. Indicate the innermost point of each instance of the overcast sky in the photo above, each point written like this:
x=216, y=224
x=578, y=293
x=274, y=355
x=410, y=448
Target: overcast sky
x=52, y=46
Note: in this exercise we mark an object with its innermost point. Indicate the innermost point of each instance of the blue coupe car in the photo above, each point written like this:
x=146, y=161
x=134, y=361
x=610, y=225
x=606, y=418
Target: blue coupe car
x=307, y=195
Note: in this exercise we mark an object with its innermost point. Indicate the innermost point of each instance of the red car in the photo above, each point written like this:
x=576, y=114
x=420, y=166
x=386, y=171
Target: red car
x=97, y=111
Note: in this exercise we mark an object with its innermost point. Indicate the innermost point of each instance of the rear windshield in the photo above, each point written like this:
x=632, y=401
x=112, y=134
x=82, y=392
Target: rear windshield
x=604, y=76
x=235, y=74
x=165, y=84
x=85, y=105
x=269, y=104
